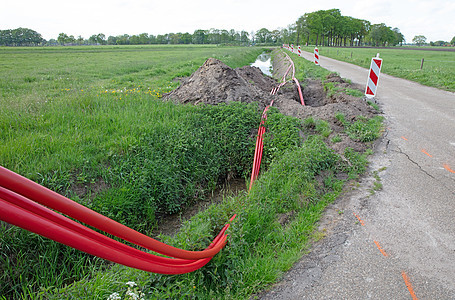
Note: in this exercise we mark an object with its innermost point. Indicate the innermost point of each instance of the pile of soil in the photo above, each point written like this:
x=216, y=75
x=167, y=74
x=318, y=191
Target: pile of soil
x=214, y=83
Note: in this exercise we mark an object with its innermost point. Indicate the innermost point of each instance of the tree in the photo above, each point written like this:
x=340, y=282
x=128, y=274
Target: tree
x=20, y=37
x=244, y=37
x=263, y=35
x=452, y=42
x=200, y=36
x=419, y=40
x=381, y=35
x=186, y=38
x=399, y=37
x=62, y=38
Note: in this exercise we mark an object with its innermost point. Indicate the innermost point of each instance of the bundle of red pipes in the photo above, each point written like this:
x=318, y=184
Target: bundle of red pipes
x=30, y=206
x=260, y=137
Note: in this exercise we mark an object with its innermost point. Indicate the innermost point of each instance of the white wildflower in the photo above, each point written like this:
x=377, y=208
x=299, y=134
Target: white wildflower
x=114, y=296
x=131, y=284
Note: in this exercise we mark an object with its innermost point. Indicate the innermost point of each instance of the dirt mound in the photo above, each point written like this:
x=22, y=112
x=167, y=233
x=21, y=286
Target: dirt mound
x=214, y=82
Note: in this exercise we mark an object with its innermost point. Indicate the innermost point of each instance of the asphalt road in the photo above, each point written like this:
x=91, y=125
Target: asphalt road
x=397, y=242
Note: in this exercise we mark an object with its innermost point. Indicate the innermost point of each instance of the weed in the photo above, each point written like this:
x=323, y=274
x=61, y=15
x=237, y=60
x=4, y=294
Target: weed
x=336, y=139
x=374, y=105
x=323, y=128
x=363, y=129
x=354, y=92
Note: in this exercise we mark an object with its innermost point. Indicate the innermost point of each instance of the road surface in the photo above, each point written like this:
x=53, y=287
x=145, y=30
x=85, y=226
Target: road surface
x=397, y=242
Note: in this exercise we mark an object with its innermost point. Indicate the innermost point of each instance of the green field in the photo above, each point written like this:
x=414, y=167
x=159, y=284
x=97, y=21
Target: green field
x=88, y=122
x=438, y=69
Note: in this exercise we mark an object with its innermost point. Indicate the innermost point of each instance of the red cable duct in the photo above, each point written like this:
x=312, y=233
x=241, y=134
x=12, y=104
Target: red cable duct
x=260, y=139
x=19, y=198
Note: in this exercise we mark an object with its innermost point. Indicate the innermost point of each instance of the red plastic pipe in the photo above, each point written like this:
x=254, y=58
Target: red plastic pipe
x=42, y=195
x=23, y=218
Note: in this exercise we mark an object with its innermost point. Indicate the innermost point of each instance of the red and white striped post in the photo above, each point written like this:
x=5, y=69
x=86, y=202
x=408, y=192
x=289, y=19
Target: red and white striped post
x=292, y=48
x=316, y=56
x=300, y=52
x=373, y=77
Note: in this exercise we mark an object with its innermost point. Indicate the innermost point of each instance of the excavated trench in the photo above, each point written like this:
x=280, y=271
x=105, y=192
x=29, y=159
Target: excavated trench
x=215, y=82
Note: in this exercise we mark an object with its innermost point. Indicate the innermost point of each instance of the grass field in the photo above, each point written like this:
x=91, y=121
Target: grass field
x=88, y=122
x=85, y=121
x=438, y=69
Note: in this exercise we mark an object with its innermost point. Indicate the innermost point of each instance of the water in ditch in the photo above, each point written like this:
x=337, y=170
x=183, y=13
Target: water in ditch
x=264, y=62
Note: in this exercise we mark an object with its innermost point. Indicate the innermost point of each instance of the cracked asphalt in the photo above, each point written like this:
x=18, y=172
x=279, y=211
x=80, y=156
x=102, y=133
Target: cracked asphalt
x=397, y=242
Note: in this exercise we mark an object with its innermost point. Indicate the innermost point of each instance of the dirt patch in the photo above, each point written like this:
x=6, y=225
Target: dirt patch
x=89, y=189
x=170, y=224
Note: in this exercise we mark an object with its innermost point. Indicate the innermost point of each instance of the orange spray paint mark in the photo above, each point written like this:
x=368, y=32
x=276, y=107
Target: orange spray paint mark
x=380, y=249
x=404, y=138
x=446, y=166
x=408, y=285
x=360, y=220
x=423, y=150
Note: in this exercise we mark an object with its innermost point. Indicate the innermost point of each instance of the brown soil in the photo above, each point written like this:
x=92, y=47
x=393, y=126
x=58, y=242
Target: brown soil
x=214, y=83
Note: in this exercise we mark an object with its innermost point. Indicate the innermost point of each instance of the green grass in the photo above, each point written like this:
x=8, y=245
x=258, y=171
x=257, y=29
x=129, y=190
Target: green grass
x=438, y=69
x=88, y=123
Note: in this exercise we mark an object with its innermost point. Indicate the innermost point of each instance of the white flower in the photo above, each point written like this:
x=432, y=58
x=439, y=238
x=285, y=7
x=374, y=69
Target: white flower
x=114, y=296
x=131, y=283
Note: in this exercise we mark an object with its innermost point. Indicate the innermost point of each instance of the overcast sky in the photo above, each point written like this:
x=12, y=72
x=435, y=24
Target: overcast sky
x=434, y=19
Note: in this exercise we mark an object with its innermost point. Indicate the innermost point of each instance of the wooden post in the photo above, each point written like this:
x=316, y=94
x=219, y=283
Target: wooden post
x=421, y=64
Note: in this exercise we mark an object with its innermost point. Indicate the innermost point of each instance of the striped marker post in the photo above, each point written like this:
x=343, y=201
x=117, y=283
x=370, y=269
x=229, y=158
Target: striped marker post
x=373, y=77
x=300, y=52
x=316, y=56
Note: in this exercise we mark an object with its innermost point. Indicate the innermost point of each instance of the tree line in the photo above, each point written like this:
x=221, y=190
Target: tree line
x=212, y=36
x=20, y=37
x=320, y=28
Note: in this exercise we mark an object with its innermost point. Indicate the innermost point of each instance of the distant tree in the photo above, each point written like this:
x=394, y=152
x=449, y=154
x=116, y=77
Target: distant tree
x=80, y=40
x=399, y=37
x=452, y=42
x=123, y=39
x=186, y=38
x=62, y=38
x=200, y=36
x=111, y=40
x=382, y=35
x=276, y=36
x=419, y=40
x=244, y=37
x=263, y=35
x=214, y=36
x=439, y=43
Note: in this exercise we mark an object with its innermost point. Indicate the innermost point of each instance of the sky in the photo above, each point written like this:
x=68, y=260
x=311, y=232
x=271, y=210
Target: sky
x=434, y=19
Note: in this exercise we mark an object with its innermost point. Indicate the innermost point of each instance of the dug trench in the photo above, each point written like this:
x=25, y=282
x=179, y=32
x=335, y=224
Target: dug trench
x=215, y=82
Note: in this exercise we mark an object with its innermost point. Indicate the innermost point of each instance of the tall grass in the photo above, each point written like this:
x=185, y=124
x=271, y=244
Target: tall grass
x=88, y=123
